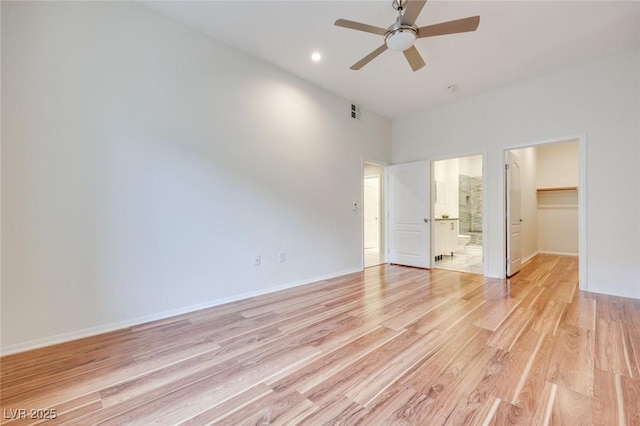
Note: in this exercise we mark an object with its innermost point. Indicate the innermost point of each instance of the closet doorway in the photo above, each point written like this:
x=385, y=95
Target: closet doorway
x=545, y=218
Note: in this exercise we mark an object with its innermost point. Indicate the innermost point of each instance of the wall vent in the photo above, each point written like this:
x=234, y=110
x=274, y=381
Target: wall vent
x=355, y=112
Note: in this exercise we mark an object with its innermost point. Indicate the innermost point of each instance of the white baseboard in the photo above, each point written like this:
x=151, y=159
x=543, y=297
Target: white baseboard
x=92, y=331
x=559, y=253
x=531, y=256
x=496, y=276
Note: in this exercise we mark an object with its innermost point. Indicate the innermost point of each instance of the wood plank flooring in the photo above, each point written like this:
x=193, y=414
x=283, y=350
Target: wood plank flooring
x=388, y=346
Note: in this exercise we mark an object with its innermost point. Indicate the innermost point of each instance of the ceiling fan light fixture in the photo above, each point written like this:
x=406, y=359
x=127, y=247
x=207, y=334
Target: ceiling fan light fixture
x=404, y=32
x=401, y=39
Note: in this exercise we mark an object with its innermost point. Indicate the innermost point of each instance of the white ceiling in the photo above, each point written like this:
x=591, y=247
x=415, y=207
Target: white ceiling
x=516, y=40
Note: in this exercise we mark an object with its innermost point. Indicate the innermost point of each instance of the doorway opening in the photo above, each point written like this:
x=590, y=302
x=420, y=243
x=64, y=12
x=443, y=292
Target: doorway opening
x=458, y=214
x=373, y=215
x=543, y=202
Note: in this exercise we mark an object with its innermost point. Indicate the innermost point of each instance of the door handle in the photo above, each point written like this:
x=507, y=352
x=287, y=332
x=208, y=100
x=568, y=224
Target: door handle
x=426, y=220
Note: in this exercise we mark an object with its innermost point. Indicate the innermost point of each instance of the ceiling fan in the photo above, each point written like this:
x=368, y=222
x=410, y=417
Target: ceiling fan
x=403, y=33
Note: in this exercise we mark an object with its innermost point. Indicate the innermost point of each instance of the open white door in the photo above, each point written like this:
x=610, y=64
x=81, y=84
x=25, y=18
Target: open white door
x=513, y=217
x=409, y=205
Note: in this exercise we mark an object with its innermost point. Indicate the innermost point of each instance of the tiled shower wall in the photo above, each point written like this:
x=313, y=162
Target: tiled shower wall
x=470, y=205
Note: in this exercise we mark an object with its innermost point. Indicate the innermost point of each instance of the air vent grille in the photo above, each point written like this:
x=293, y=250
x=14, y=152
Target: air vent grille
x=355, y=112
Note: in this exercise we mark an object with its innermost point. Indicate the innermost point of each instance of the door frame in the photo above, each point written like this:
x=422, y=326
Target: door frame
x=383, y=208
x=485, y=203
x=582, y=199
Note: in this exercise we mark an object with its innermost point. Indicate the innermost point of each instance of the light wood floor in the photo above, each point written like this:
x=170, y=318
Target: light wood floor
x=391, y=345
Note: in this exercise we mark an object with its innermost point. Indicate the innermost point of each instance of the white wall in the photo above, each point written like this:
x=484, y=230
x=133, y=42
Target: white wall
x=144, y=165
x=470, y=166
x=558, y=167
x=446, y=172
x=558, y=222
x=600, y=99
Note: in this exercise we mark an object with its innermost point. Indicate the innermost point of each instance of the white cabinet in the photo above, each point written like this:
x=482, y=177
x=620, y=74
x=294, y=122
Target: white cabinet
x=445, y=237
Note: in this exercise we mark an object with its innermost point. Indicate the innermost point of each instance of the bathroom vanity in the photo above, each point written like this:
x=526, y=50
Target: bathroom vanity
x=445, y=240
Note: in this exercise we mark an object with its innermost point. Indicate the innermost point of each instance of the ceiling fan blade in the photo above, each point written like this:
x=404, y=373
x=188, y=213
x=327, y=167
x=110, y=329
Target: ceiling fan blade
x=364, y=61
x=452, y=27
x=360, y=27
x=414, y=58
x=412, y=9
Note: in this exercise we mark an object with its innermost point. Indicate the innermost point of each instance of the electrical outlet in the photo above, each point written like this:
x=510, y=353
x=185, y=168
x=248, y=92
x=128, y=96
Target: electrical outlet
x=256, y=260
x=282, y=256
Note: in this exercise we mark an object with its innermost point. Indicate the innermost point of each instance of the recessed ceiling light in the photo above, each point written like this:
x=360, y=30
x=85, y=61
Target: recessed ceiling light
x=316, y=56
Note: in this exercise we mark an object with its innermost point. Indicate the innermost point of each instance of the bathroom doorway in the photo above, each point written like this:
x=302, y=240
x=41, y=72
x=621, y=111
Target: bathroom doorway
x=373, y=214
x=458, y=188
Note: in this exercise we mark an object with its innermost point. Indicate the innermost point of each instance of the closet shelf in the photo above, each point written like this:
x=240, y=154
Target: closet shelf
x=559, y=188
